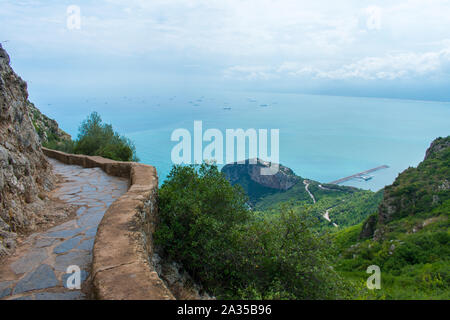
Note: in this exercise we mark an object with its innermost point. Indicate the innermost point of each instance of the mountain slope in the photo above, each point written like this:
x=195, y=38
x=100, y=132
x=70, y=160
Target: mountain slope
x=408, y=238
x=418, y=193
x=332, y=205
x=24, y=170
x=47, y=129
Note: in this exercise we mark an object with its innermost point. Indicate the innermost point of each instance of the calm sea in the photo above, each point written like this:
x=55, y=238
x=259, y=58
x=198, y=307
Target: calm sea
x=321, y=137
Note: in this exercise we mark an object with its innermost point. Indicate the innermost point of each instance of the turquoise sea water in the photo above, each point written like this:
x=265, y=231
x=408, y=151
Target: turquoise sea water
x=321, y=137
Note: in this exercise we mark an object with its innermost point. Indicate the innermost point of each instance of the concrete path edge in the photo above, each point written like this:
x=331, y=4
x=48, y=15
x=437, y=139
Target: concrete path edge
x=121, y=269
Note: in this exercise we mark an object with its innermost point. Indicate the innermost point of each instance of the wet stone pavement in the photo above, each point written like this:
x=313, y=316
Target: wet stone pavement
x=38, y=270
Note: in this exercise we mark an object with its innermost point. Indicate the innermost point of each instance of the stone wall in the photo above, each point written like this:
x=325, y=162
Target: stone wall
x=121, y=268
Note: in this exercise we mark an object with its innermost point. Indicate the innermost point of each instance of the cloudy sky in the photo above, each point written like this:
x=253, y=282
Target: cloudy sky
x=389, y=48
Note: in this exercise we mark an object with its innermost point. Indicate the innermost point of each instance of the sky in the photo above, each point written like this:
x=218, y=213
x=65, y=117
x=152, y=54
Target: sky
x=392, y=49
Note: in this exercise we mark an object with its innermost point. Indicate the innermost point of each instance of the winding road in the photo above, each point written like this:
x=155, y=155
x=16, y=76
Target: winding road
x=37, y=271
x=326, y=215
x=306, y=183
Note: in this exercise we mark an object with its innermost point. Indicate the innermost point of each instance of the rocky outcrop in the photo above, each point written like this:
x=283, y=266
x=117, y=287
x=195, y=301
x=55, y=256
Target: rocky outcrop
x=47, y=129
x=369, y=227
x=416, y=190
x=284, y=179
x=24, y=170
x=436, y=147
x=178, y=280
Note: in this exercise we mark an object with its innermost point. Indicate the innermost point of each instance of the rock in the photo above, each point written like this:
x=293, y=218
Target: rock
x=67, y=245
x=82, y=259
x=43, y=277
x=429, y=190
x=64, y=233
x=284, y=179
x=43, y=243
x=180, y=283
x=71, y=295
x=48, y=129
x=29, y=262
x=369, y=227
x=87, y=245
x=437, y=146
x=30, y=297
x=5, y=289
x=24, y=170
x=5, y=292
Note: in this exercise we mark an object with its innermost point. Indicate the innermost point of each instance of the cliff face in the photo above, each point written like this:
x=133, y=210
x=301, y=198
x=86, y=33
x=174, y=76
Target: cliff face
x=47, y=129
x=256, y=185
x=24, y=170
x=284, y=179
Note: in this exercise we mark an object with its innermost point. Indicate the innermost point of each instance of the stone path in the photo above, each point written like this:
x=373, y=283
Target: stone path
x=38, y=269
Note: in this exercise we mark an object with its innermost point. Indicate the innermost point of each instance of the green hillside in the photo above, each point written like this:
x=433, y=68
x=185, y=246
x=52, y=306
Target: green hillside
x=346, y=205
x=409, y=236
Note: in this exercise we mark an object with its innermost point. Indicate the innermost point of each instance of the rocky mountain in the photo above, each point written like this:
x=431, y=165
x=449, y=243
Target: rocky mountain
x=418, y=192
x=24, y=170
x=284, y=179
x=408, y=236
x=249, y=176
x=47, y=129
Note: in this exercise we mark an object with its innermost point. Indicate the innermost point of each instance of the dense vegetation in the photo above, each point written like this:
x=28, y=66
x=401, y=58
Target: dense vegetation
x=97, y=139
x=347, y=205
x=283, y=248
x=235, y=252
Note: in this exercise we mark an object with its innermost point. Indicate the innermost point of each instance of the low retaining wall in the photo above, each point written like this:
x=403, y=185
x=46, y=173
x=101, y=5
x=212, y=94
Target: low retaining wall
x=123, y=244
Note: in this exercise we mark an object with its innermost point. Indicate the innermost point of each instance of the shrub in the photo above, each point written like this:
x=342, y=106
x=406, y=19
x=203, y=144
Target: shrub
x=99, y=139
x=198, y=209
x=234, y=253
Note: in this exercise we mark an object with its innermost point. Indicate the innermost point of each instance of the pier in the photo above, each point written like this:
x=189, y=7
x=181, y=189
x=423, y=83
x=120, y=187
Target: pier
x=359, y=175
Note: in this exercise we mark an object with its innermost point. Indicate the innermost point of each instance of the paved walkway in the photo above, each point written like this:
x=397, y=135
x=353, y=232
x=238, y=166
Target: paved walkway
x=38, y=269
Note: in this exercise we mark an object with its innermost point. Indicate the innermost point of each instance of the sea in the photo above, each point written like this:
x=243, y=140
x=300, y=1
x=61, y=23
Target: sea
x=323, y=138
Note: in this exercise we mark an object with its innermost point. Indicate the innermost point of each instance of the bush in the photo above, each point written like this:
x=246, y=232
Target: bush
x=234, y=253
x=67, y=146
x=97, y=139
x=198, y=209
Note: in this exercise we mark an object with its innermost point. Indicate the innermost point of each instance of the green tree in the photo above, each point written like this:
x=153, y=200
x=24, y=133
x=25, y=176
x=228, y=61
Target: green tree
x=99, y=139
x=206, y=225
x=198, y=209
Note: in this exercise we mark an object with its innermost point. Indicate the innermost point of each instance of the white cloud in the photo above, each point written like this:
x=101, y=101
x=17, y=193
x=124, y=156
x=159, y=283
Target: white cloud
x=389, y=67
x=250, y=39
